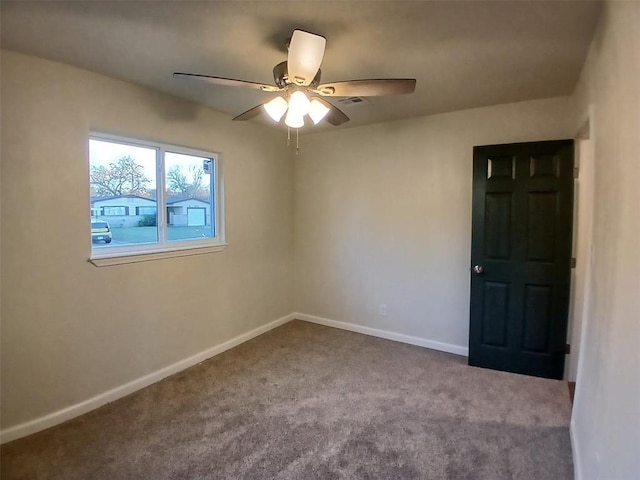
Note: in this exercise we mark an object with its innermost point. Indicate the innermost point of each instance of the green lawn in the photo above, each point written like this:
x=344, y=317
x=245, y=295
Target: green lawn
x=150, y=234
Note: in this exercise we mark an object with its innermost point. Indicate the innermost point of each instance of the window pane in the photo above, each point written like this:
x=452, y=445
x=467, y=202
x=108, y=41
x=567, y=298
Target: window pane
x=189, y=196
x=147, y=211
x=123, y=194
x=114, y=211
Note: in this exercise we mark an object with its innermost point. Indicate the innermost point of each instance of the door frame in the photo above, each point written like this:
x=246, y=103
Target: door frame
x=582, y=239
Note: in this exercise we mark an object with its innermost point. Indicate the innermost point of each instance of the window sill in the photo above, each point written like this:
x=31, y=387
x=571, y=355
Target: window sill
x=108, y=260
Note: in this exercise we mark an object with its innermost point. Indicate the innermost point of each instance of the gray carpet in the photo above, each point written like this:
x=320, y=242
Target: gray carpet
x=311, y=402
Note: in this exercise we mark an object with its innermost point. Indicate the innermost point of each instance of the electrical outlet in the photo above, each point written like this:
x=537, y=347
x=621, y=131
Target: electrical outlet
x=382, y=309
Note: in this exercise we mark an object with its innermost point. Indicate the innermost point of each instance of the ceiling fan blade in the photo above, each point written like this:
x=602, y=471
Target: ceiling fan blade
x=228, y=82
x=368, y=88
x=305, y=56
x=335, y=116
x=251, y=113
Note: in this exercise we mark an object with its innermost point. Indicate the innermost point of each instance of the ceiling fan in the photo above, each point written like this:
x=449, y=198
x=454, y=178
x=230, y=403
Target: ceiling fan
x=297, y=80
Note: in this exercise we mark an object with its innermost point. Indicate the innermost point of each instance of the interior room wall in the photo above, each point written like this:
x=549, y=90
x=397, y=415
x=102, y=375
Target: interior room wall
x=71, y=330
x=606, y=414
x=382, y=215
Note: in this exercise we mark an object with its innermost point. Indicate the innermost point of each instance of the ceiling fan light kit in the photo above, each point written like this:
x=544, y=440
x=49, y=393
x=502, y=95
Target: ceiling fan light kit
x=317, y=111
x=299, y=104
x=294, y=121
x=298, y=78
x=276, y=108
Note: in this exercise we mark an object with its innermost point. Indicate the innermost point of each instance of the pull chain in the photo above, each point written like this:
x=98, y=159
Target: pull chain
x=297, y=139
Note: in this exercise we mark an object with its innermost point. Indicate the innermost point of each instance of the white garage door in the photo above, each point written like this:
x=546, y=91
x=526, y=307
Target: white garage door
x=196, y=216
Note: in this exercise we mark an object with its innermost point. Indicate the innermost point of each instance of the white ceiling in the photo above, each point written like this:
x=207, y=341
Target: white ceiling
x=463, y=54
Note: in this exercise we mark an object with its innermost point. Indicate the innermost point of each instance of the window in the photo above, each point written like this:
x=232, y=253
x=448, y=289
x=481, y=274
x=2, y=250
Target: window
x=155, y=198
x=147, y=211
x=113, y=211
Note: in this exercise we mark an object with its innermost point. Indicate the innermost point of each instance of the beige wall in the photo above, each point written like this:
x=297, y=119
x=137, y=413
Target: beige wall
x=71, y=330
x=383, y=216
x=606, y=415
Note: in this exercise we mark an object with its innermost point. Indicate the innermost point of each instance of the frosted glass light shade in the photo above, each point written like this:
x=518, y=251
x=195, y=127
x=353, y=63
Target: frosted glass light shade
x=317, y=111
x=294, y=121
x=298, y=104
x=276, y=108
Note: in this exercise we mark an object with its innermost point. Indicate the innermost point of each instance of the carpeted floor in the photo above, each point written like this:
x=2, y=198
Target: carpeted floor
x=311, y=402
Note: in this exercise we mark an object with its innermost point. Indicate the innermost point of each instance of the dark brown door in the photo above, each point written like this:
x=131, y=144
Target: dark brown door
x=521, y=256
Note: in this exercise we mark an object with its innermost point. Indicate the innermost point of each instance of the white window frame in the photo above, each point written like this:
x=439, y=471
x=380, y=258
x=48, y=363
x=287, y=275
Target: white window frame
x=163, y=248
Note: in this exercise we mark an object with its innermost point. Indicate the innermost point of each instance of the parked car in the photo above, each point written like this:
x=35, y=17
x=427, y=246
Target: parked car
x=100, y=231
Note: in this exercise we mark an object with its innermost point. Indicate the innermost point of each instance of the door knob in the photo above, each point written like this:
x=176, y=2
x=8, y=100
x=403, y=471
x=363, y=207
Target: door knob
x=478, y=269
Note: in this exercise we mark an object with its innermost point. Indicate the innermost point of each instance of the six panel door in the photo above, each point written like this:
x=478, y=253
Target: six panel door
x=521, y=256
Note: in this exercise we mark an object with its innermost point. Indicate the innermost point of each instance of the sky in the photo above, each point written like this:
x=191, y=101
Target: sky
x=105, y=152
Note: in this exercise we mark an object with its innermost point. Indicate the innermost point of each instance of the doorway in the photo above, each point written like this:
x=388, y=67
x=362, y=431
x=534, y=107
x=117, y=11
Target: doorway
x=521, y=256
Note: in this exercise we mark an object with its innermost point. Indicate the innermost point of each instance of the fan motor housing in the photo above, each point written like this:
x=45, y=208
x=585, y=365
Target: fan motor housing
x=281, y=77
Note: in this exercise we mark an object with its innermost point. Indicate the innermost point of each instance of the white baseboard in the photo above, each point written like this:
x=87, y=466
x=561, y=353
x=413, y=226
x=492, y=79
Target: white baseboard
x=374, y=332
x=55, y=418
x=575, y=450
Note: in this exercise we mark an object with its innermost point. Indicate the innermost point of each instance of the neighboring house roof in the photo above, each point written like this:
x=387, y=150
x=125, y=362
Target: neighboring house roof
x=116, y=197
x=171, y=201
x=183, y=199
